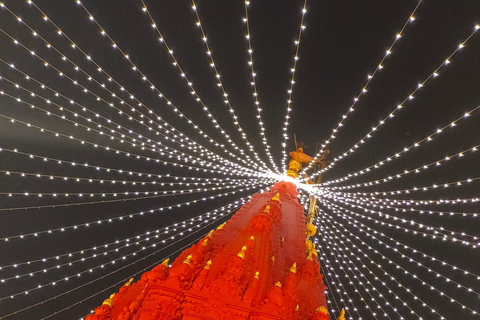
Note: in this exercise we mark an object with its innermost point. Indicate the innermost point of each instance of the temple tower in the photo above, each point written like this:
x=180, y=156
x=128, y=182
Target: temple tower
x=260, y=265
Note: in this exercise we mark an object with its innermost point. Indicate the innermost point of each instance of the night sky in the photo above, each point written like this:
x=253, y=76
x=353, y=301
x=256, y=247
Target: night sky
x=343, y=42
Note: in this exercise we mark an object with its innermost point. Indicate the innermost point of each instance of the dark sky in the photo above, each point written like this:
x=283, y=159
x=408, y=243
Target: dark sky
x=342, y=44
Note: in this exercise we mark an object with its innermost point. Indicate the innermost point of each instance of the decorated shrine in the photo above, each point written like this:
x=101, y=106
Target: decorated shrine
x=260, y=265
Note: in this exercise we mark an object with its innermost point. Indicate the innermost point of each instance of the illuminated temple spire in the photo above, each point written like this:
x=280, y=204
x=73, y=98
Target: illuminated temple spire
x=259, y=265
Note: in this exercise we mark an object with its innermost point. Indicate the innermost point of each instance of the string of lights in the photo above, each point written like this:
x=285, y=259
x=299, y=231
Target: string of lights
x=412, y=259
x=112, y=262
x=127, y=131
x=400, y=106
x=96, y=114
x=122, y=281
x=217, y=76
x=438, y=232
x=187, y=223
x=456, y=183
x=364, y=89
x=170, y=192
x=137, y=241
x=58, y=161
x=153, y=87
x=104, y=147
x=206, y=181
x=330, y=269
x=405, y=271
x=416, y=145
x=336, y=253
x=112, y=80
x=377, y=276
x=420, y=202
x=108, y=220
x=292, y=82
x=340, y=291
x=380, y=203
x=418, y=169
x=63, y=205
x=194, y=92
x=254, y=88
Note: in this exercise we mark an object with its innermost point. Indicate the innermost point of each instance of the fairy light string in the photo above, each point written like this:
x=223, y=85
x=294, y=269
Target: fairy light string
x=144, y=78
x=400, y=106
x=127, y=132
x=187, y=223
x=414, y=146
x=415, y=277
x=112, y=80
x=133, y=143
x=396, y=206
x=109, y=220
x=129, y=277
x=91, y=281
x=62, y=75
x=129, y=242
x=331, y=269
x=217, y=76
x=370, y=77
x=405, y=256
x=254, y=88
x=194, y=92
x=127, y=172
x=438, y=232
x=405, y=172
x=338, y=234
x=101, y=146
x=63, y=205
x=292, y=82
x=338, y=253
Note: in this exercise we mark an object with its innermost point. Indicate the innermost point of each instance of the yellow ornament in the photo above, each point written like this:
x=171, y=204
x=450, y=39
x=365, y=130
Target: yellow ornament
x=310, y=229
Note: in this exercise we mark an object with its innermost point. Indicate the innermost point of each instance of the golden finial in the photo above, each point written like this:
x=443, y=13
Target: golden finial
x=310, y=229
x=309, y=245
x=257, y=274
x=293, y=268
x=314, y=251
x=322, y=309
x=267, y=209
x=309, y=256
x=109, y=301
x=252, y=238
x=220, y=227
x=342, y=315
x=187, y=261
x=165, y=262
x=128, y=283
x=209, y=262
x=205, y=242
x=241, y=254
x=276, y=197
x=297, y=307
x=278, y=284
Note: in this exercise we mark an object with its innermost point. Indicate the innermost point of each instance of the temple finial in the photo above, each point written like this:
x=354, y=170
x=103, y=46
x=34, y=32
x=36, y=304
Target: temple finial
x=109, y=301
x=293, y=268
x=187, y=261
x=276, y=197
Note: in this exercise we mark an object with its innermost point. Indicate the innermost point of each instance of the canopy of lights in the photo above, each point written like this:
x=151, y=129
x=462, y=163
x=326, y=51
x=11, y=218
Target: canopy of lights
x=130, y=129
